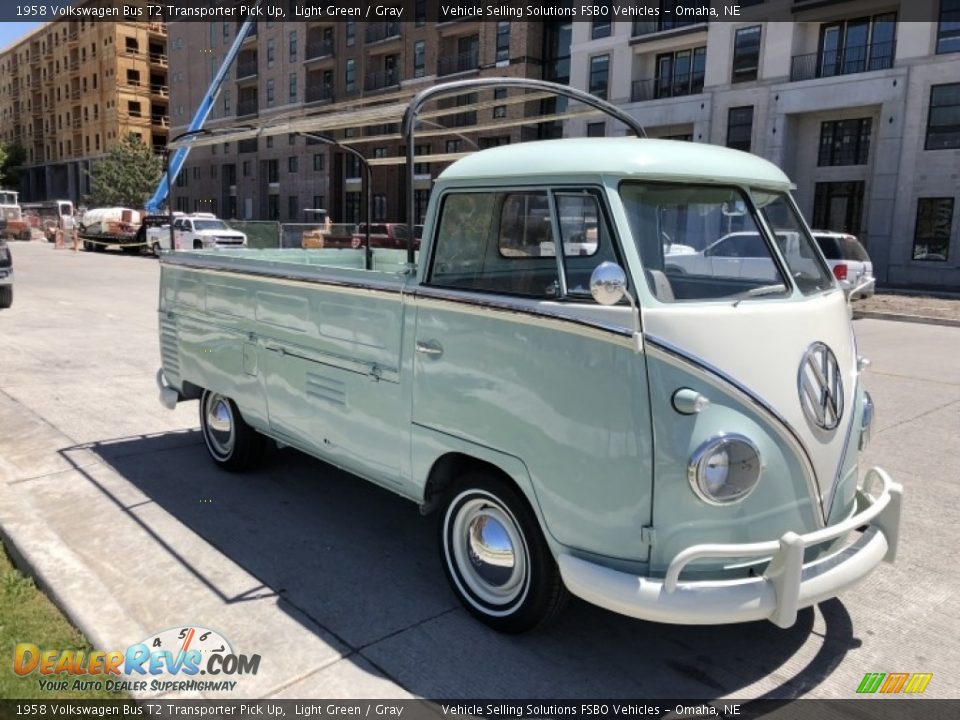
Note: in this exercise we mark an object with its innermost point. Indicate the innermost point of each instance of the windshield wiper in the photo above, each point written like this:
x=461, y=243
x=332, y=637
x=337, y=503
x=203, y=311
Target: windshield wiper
x=760, y=291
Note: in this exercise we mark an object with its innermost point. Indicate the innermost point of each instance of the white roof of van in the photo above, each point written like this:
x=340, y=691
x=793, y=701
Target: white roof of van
x=625, y=157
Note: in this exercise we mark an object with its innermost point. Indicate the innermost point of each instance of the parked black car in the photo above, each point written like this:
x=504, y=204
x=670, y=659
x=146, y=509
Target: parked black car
x=6, y=275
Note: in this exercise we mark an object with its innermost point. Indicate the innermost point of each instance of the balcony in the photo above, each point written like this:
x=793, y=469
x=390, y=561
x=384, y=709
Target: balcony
x=247, y=68
x=382, y=79
x=160, y=120
x=73, y=37
x=847, y=61
x=157, y=28
x=657, y=88
x=459, y=63
x=319, y=93
x=247, y=106
x=77, y=123
x=158, y=59
x=161, y=90
x=75, y=95
x=377, y=32
x=319, y=48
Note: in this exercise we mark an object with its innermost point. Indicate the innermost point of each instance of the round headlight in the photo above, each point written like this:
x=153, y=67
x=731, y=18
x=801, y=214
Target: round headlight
x=724, y=469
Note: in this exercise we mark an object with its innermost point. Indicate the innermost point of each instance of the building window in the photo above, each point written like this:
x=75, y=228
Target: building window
x=318, y=162
x=270, y=94
x=746, y=54
x=271, y=53
x=420, y=168
x=948, y=29
x=292, y=164
x=273, y=171
x=491, y=142
x=352, y=207
x=845, y=142
x=931, y=238
x=293, y=207
x=420, y=200
x=499, y=111
x=678, y=73
x=351, y=33
x=318, y=202
x=246, y=168
x=596, y=129
x=213, y=172
x=351, y=167
x=599, y=75
x=838, y=206
x=380, y=152
x=503, y=41
x=292, y=88
x=740, y=127
x=419, y=58
x=273, y=207
x=226, y=102
x=292, y=45
x=350, y=75
x=420, y=12
x=454, y=146
x=269, y=142
x=943, y=121
x=600, y=29
x=380, y=208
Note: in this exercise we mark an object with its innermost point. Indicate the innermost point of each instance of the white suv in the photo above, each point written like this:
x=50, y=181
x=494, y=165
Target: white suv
x=848, y=260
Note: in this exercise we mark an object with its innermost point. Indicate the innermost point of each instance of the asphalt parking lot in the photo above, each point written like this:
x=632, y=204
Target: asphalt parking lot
x=111, y=500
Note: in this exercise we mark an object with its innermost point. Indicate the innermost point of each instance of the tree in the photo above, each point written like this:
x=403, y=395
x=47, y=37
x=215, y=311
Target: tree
x=11, y=160
x=127, y=176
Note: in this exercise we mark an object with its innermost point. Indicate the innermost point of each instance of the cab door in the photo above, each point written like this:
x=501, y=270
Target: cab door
x=512, y=354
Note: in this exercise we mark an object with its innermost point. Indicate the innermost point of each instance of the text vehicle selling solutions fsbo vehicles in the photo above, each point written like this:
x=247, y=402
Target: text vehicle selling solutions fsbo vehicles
x=676, y=442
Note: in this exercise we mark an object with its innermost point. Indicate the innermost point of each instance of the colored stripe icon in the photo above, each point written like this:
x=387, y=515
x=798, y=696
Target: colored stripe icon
x=913, y=683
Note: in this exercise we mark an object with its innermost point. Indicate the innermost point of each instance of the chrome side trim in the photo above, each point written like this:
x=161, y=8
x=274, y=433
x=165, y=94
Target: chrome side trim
x=716, y=377
x=530, y=314
x=289, y=276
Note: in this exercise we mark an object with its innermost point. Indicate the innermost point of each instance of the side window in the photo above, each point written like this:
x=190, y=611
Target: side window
x=505, y=243
x=586, y=238
x=496, y=242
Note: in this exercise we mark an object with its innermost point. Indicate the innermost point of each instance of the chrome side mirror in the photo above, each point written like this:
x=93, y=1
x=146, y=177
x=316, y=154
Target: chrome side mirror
x=608, y=283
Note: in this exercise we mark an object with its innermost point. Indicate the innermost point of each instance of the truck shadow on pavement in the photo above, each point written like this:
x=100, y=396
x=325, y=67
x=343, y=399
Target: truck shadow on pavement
x=362, y=564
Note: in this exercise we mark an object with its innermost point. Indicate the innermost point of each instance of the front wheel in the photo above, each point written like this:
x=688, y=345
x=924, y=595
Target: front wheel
x=155, y=249
x=231, y=442
x=496, y=558
x=6, y=296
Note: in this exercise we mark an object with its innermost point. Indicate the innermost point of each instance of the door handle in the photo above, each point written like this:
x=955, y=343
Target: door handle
x=430, y=348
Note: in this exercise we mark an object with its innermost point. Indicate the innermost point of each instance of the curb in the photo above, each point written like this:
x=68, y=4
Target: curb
x=899, y=317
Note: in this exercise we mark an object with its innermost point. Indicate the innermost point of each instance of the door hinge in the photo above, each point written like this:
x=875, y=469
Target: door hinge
x=648, y=535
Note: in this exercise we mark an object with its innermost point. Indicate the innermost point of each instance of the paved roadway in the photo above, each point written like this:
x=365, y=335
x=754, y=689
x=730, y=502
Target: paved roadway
x=337, y=584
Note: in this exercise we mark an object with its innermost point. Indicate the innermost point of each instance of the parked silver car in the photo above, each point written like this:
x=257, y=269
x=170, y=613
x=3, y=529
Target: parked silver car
x=848, y=260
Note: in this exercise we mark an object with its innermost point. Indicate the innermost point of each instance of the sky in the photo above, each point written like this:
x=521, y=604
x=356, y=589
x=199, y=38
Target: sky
x=10, y=32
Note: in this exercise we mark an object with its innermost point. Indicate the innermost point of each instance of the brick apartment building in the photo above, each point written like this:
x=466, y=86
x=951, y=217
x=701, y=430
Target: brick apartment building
x=304, y=67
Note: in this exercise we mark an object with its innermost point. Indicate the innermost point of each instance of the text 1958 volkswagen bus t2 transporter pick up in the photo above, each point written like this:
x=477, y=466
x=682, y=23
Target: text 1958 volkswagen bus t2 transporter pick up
x=676, y=442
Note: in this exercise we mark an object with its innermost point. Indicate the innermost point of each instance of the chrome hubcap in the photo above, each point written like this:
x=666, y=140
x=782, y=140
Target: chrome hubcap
x=220, y=429
x=489, y=552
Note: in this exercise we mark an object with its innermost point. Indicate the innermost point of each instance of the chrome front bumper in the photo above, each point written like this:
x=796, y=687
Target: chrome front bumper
x=786, y=586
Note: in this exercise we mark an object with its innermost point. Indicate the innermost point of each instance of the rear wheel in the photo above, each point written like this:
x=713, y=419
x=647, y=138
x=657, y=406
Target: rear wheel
x=231, y=442
x=155, y=249
x=6, y=296
x=496, y=558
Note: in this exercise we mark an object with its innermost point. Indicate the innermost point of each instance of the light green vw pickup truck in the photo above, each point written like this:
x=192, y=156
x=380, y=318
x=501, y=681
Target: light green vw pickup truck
x=617, y=367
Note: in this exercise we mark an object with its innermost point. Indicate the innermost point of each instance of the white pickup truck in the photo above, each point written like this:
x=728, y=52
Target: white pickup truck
x=196, y=232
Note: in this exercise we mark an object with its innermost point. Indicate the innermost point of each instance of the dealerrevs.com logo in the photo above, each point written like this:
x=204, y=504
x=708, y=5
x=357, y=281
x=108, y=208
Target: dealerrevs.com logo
x=179, y=659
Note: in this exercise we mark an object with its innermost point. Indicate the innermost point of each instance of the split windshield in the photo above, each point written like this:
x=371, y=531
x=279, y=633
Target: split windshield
x=702, y=242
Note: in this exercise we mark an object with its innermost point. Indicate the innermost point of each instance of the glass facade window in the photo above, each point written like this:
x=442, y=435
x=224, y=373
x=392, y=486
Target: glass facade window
x=931, y=238
x=419, y=58
x=844, y=142
x=503, y=41
x=838, y=206
x=740, y=127
x=746, y=54
x=948, y=27
x=350, y=75
x=599, y=75
x=292, y=45
x=943, y=120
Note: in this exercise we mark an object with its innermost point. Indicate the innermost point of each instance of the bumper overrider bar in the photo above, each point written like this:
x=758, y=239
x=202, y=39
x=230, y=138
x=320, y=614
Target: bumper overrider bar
x=786, y=586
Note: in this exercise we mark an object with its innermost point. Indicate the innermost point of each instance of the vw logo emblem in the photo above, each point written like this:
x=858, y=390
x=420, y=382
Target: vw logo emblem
x=821, y=387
